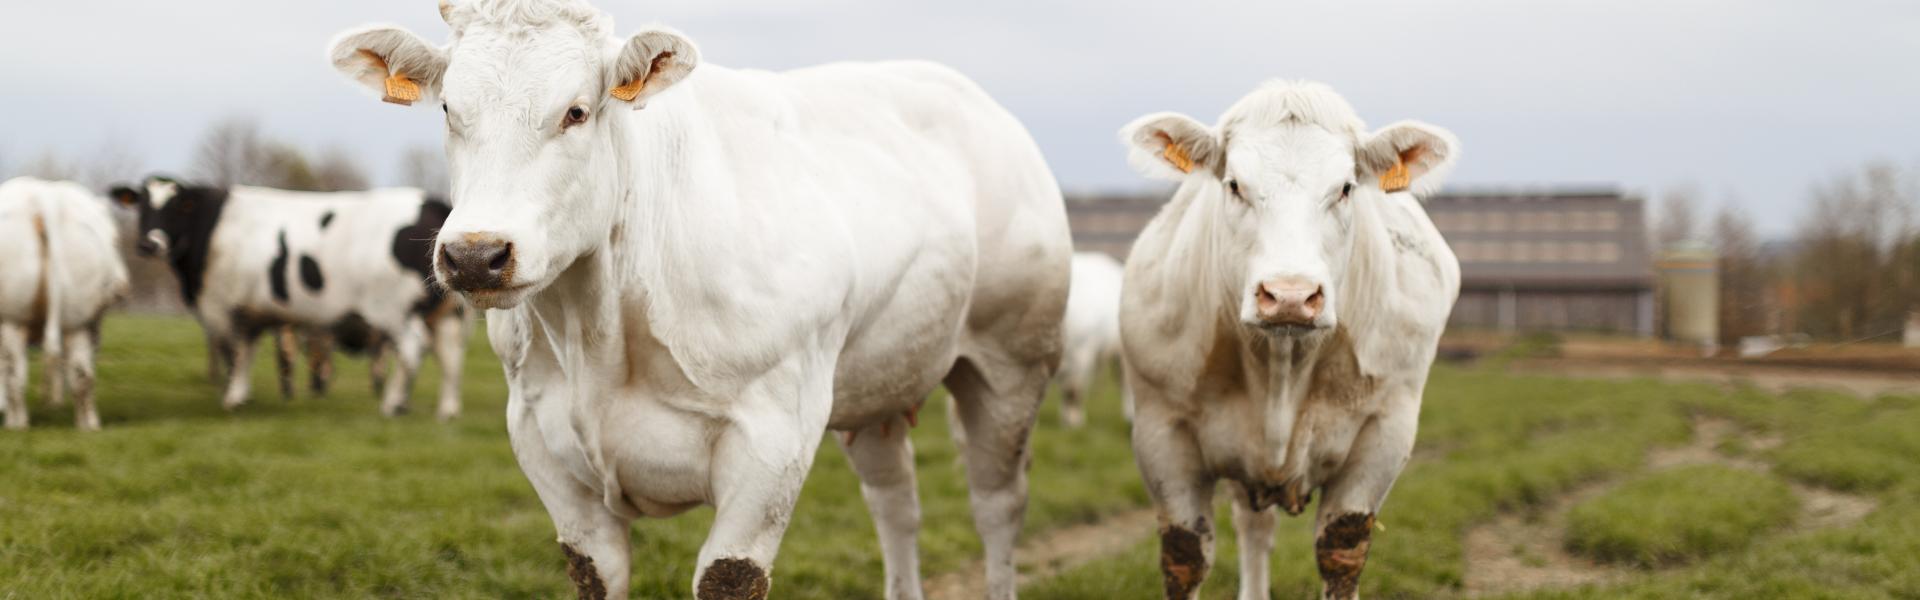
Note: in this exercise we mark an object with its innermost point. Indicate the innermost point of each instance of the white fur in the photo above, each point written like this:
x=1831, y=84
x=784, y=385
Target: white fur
x=1091, y=333
x=702, y=287
x=71, y=261
x=1283, y=412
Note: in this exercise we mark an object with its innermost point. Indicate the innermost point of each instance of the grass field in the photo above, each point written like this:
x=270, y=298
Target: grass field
x=324, y=498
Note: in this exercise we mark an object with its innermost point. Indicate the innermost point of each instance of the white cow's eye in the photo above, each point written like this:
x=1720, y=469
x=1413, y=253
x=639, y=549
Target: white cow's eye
x=1233, y=185
x=1346, y=190
x=575, y=116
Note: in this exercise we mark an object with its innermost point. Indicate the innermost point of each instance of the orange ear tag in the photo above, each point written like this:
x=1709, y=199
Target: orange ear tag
x=1178, y=156
x=1396, y=179
x=401, y=90
x=629, y=91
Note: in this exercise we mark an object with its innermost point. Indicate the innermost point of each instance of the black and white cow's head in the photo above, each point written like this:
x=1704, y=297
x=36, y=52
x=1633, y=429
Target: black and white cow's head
x=534, y=94
x=171, y=213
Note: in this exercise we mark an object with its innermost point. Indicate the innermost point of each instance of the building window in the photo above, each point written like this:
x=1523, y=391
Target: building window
x=1608, y=221
x=1548, y=221
x=1552, y=252
x=1495, y=221
x=1522, y=252
x=1608, y=252
x=1580, y=252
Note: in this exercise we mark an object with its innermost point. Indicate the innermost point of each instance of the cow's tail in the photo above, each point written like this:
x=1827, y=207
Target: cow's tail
x=53, y=275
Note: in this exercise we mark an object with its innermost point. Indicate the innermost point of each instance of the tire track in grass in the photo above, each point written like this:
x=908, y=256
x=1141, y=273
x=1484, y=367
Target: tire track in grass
x=1052, y=553
x=1526, y=551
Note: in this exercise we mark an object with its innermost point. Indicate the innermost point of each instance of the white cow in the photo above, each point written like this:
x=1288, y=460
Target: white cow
x=59, y=271
x=1091, y=333
x=1279, y=319
x=251, y=260
x=695, y=273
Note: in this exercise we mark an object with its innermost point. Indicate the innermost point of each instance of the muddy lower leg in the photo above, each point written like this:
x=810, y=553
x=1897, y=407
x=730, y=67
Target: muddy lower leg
x=1341, y=548
x=997, y=402
x=319, y=361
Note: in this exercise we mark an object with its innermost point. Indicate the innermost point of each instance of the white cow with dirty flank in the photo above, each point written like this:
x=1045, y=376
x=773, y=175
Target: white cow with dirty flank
x=60, y=270
x=695, y=272
x=1279, y=318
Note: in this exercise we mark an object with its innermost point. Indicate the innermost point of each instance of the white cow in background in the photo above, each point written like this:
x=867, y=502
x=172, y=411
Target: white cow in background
x=1091, y=333
x=695, y=272
x=1279, y=319
x=59, y=271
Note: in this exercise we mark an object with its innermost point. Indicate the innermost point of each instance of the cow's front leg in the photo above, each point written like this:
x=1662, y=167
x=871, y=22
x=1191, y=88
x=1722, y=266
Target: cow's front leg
x=1343, y=528
x=1254, y=527
x=319, y=360
x=593, y=539
x=285, y=346
x=408, y=345
x=240, y=370
x=759, y=464
x=1182, y=490
x=882, y=454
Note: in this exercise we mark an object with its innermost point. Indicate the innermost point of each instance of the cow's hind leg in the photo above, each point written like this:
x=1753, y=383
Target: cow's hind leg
x=1182, y=490
x=997, y=401
x=882, y=454
x=80, y=377
x=285, y=347
x=407, y=346
x=13, y=374
x=450, y=349
x=319, y=360
x=1254, y=528
x=1343, y=528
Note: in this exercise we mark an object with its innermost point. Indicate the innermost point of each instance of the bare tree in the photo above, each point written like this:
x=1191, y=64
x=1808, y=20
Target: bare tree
x=1854, y=248
x=1744, y=276
x=287, y=168
x=51, y=166
x=425, y=167
x=1677, y=222
x=112, y=163
x=232, y=152
x=337, y=172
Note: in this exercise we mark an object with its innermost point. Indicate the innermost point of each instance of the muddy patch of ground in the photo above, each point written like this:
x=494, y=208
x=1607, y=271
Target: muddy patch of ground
x=1768, y=378
x=1524, y=551
x=1052, y=553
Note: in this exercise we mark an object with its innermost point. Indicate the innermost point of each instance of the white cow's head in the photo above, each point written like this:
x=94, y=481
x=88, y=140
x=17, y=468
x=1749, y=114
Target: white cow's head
x=533, y=92
x=1280, y=179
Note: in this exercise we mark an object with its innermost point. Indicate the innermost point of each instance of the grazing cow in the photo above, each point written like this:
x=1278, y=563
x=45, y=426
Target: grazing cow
x=1091, y=332
x=695, y=273
x=1279, y=318
x=251, y=260
x=59, y=271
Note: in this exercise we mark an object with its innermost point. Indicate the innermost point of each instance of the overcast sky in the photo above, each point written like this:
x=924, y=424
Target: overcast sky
x=1752, y=100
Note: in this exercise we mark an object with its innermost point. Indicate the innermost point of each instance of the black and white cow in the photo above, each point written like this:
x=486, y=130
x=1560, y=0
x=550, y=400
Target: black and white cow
x=250, y=260
x=59, y=271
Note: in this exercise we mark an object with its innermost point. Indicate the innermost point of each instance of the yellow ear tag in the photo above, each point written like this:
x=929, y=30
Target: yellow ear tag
x=1396, y=179
x=629, y=91
x=1178, y=156
x=401, y=90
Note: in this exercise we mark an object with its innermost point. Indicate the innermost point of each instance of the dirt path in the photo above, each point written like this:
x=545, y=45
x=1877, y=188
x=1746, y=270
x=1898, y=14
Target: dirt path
x=1052, y=552
x=1773, y=379
x=1523, y=551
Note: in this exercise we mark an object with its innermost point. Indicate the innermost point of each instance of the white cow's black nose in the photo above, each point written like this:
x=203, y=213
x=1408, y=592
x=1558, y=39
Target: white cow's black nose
x=477, y=261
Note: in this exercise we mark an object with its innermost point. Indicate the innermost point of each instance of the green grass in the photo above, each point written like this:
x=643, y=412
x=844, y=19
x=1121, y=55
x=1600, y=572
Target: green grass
x=324, y=498
x=1680, y=515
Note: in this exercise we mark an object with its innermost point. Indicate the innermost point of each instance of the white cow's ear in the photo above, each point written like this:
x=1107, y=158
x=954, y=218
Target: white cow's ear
x=1408, y=155
x=1171, y=146
x=391, y=61
x=650, y=63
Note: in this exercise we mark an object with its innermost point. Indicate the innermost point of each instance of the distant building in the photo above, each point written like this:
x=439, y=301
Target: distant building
x=1553, y=261
x=1557, y=261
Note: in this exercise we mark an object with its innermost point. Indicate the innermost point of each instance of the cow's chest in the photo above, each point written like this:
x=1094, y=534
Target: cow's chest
x=1281, y=428
x=626, y=447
